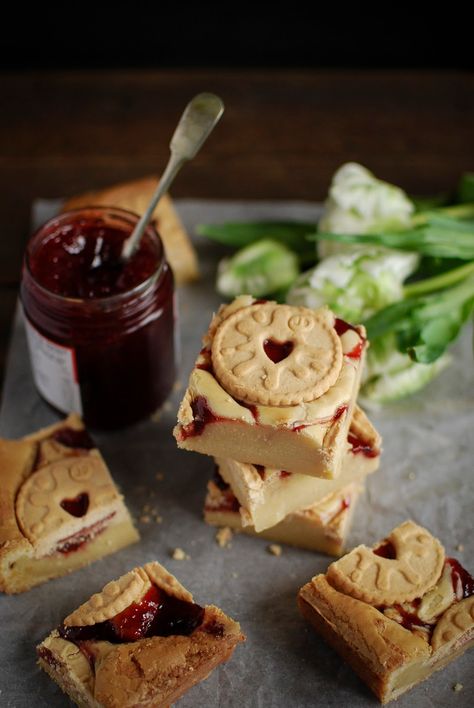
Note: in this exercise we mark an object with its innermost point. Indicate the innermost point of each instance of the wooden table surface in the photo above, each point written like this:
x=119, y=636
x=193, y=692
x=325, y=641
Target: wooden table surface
x=282, y=136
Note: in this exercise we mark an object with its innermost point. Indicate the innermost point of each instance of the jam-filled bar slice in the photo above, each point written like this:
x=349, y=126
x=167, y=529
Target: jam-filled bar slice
x=141, y=641
x=274, y=385
x=267, y=496
x=396, y=612
x=322, y=527
x=59, y=506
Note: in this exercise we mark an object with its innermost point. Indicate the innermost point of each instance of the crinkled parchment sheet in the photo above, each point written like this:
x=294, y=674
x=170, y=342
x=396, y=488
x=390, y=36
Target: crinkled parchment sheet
x=426, y=475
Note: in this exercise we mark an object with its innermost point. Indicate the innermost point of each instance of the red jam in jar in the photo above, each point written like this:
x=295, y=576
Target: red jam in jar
x=100, y=332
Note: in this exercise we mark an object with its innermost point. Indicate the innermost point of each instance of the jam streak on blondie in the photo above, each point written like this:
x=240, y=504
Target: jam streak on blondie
x=463, y=582
x=359, y=445
x=82, y=538
x=156, y=614
x=76, y=439
x=341, y=327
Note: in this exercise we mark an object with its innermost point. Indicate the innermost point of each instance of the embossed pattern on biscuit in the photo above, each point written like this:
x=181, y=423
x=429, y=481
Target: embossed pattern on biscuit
x=50, y=451
x=160, y=577
x=42, y=502
x=416, y=567
x=113, y=599
x=457, y=620
x=277, y=355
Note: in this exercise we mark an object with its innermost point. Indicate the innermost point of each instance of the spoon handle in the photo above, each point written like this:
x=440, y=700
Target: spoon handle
x=198, y=120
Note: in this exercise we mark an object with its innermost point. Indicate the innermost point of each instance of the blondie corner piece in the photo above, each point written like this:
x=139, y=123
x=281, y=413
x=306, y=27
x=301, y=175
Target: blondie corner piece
x=397, y=612
x=59, y=506
x=274, y=385
x=141, y=641
x=322, y=527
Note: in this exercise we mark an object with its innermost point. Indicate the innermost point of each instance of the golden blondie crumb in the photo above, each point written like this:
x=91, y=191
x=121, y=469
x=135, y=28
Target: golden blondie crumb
x=460, y=548
x=274, y=549
x=224, y=537
x=458, y=687
x=145, y=518
x=179, y=555
x=411, y=476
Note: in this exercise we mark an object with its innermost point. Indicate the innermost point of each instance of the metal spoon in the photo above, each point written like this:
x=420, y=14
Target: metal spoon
x=198, y=120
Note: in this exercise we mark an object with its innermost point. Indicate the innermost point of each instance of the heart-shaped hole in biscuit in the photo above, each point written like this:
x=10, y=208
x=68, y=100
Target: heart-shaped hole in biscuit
x=277, y=351
x=78, y=506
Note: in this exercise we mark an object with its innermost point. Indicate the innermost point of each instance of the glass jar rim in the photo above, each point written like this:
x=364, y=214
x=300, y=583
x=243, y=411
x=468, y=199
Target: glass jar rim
x=109, y=300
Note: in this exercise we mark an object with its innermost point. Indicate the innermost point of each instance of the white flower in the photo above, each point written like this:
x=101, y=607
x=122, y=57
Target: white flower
x=355, y=284
x=359, y=203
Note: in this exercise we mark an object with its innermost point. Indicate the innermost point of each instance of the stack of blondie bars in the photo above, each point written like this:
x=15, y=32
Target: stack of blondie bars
x=272, y=397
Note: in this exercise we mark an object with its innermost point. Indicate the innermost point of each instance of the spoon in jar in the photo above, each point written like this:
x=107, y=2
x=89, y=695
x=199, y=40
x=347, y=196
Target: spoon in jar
x=197, y=122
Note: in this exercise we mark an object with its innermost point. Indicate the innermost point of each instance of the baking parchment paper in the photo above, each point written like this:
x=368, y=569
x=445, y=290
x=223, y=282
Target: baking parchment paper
x=426, y=474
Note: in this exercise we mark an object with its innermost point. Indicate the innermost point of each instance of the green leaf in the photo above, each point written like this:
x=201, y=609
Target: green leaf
x=439, y=281
x=440, y=235
x=429, y=203
x=388, y=319
x=239, y=234
x=426, y=325
x=466, y=187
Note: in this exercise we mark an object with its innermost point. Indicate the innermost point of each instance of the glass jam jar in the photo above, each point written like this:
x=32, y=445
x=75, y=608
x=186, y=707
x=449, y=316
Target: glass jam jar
x=100, y=333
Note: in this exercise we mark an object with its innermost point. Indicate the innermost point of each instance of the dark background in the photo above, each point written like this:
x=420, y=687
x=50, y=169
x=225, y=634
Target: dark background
x=225, y=35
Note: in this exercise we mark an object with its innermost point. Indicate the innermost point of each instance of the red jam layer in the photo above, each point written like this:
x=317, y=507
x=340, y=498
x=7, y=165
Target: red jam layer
x=277, y=351
x=206, y=364
x=410, y=620
x=385, y=550
x=202, y=416
x=341, y=326
x=77, y=506
x=338, y=414
x=360, y=446
x=463, y=582
x=79, y=540
x=229, y=501
x=69, y=437
x=252, y=408
x=156, y=615
x=81, y=259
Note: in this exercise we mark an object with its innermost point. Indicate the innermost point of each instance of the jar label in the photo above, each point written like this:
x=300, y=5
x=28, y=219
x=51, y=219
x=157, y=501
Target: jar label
x=54, y=371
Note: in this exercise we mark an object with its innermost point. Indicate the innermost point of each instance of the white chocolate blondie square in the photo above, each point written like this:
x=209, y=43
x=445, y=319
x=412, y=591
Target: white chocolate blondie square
x=141, y=641
x=267, y=496
x=322, y=527
x=274, y=385
x=59, y=506
x=396, y=612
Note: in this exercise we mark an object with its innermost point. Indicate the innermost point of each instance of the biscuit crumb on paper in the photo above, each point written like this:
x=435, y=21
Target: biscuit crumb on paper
x=224, y=537
x=274, y=549
x=178, y=555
